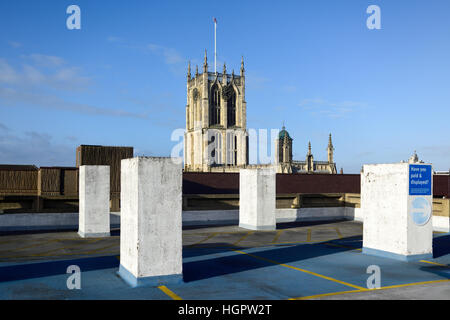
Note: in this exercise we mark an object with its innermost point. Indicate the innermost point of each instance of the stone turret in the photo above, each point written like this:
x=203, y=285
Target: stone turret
x=330, y=150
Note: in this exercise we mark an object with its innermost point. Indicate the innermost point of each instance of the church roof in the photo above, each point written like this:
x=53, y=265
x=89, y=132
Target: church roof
x=283, y=133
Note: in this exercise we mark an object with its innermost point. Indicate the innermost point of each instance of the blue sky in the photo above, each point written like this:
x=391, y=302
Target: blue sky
x=121, y=79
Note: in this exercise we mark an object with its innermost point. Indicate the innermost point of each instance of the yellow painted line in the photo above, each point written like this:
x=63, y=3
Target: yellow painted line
x=308, y=236
x=100, y=249
x=34, y=245
x=365, y=290
x=413, y=284
x=338, y=232
x=326, y=294
x=431, y=262
x=46, y=253
x=206, y=239
x=49, y=253
x=277, y=236
x=71, y=247
x=302, y=270
x=304, y=242
x=243, y=237
x=169, y=292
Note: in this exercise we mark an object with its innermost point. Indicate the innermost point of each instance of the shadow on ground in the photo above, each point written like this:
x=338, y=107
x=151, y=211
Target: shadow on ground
x=238, y=262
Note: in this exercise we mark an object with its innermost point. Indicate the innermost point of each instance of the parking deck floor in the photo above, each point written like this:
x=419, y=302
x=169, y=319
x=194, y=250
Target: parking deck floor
x=320, y=260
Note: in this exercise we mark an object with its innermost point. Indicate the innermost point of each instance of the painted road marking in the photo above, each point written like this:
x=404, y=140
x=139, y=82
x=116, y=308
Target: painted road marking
x=243, y=237
x=207, y=238
x=169, y=292
x=326, y=294
x=33, y=245
x=359, y=249
x=277, y=236
x=432, y=262
x=338, y=232
x=366, y=290
x=46, y=253
x=302, y=270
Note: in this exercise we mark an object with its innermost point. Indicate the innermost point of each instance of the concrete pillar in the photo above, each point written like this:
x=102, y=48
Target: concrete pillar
x=257, y=197
x=151, y=221
x=94, y=201
x=397, y=203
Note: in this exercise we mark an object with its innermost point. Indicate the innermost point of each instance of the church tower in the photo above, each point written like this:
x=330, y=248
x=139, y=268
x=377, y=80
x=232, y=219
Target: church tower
x=283, y=151
x=216, y=135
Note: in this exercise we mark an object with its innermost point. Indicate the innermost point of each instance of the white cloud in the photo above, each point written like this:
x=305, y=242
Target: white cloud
x=34, y=148
x=170, y=55
x=15, y=44
x=44, y=71
x=45, y=60
x=10, y=96
x=330, y=109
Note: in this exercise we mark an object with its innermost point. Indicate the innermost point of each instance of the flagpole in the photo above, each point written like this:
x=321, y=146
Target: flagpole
x=215, y=46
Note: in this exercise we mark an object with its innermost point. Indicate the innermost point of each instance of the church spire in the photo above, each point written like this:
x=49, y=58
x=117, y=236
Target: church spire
x=330, y=149
x=309, y=148
x=224, y=68
x=330, y=143
x=242, y=67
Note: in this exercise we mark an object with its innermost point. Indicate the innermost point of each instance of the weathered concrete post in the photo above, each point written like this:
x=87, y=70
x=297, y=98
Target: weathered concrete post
x=397, y=200
x=257, y=196
x=94, y=201
x=150, y=219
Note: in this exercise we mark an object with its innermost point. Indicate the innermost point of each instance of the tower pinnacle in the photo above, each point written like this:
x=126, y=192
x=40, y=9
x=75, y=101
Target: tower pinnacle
x=189, y=71
x=330, y=149
x=205, y=63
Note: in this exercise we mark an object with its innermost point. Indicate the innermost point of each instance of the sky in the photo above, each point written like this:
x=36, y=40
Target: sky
x=313, y=65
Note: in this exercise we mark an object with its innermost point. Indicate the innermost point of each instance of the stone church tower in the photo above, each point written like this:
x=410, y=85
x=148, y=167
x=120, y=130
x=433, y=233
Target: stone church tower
x=286, y=164
x=216, y=138
x=283, y=151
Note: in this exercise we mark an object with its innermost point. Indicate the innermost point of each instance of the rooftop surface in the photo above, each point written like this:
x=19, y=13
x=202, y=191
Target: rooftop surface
x=320, y=260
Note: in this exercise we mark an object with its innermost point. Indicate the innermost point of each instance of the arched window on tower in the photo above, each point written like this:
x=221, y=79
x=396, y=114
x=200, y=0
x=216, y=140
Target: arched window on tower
x=214, y=111
x=231, y=109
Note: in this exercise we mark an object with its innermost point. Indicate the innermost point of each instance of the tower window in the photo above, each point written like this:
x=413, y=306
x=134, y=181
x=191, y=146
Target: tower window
x=231, y=109
x=214, y=111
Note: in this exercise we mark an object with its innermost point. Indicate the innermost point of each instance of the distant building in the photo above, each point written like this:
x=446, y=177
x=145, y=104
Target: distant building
x=285, y=163
x=215, y=115
x=216, y=138
x=105, y=155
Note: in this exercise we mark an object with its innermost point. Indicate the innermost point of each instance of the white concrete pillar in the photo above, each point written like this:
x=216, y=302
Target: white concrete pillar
x=257, y=196
x=94, y=201
x=150, y=219
x=397, y=201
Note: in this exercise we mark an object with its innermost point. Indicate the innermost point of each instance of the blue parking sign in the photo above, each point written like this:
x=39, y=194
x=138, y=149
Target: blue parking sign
x=420, y=180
